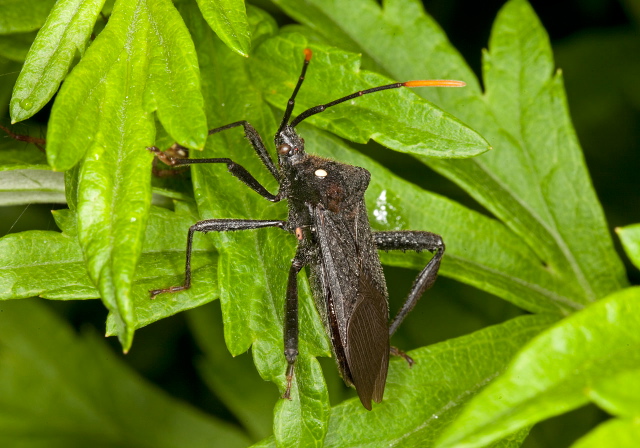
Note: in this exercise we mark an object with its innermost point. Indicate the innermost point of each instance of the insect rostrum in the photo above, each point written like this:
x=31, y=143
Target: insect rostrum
x=328, y=216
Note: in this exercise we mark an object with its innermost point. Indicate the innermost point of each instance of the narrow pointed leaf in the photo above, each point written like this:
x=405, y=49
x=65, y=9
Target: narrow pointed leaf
x=62, y=390
x=615, y=433
x=65, y=33
x=143, y=61
x=382, y=116
x=553, y=373
x=228, y=18
x=254, y=265
x=31, y=185
x=630, y=238
x=534, y=179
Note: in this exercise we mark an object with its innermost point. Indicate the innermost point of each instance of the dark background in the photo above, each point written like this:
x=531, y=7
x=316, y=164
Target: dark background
x=597, y=46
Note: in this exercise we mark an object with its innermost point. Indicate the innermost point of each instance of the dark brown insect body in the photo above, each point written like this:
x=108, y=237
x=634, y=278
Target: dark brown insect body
x=328, y=216
x=346, y=275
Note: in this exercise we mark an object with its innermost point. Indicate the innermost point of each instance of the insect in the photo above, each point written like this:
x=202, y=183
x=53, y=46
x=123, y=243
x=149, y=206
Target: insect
x=328, y=216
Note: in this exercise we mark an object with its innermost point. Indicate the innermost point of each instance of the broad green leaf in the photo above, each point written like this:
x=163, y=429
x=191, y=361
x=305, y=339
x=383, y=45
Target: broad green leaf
x=59, y=389
x=554, y=372
x=614, y=433
x=20, y=16
x=534, y=179
x=31, y=185
x=162, y=265
x=400, y=119
x=16, y=46
x=630, y=238
x=65, y=33
x=420, y=402
x=50, y=265
x=143, y=61
x=228, y=18
x=44, y=263
x=254, y=265
x=480, y=251
x=618, y=395
x=232, y=379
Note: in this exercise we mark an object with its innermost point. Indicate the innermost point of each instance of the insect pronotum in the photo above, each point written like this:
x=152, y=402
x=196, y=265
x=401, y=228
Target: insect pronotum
x=328, y=216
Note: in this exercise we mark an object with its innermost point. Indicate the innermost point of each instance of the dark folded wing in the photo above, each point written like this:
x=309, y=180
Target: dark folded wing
x=359, y=304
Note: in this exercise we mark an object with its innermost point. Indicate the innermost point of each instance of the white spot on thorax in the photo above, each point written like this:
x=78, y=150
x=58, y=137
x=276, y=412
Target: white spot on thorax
x=321, y=173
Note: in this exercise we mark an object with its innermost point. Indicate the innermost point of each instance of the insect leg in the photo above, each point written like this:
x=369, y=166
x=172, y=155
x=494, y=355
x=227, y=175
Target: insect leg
x=417, y=241
x=38, y=142
x=215, y=225
x=291, y=321
x=176, y=156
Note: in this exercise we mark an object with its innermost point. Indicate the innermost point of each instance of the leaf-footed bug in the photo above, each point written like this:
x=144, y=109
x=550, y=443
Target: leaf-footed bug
x=328, y=216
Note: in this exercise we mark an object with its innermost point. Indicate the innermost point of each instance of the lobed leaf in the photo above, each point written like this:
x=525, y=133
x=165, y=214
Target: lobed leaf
x=420, y=402
x=480, y=251
x=552, y=373
x=228, y=18
x=143, y=61
x=66, y=32
x=77, y=393
x=535, y=179
x=399, y=119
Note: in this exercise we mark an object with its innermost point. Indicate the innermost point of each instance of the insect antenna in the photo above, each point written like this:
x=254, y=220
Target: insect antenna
x=292, y=101
x=425, y=83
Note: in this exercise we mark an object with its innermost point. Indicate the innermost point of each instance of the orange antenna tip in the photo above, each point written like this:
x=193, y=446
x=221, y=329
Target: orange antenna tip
x=307, y=54
x=434, y=83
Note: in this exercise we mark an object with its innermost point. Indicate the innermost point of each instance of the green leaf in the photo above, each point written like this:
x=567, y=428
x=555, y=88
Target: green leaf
x=143, y=61
x=50, y=265
x=254, y=265
x=27, y=186
x=66, y=32
x=19, y=16
x=17, y=156
x=480, y=251
x=534, y=179
x=73, y=391
x=232, y=379
x=619, y=394
x=400, y=120
x=614, y=433
x=552, y=374
x=228, y=18
x=162, y=265
x=420, y=402
x=630, y=238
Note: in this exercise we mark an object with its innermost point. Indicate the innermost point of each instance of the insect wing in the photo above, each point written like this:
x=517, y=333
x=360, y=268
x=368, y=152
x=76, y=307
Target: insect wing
x=358, y=304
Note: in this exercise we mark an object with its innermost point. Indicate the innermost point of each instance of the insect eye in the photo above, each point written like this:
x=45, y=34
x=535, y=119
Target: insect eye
x=284, y=149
